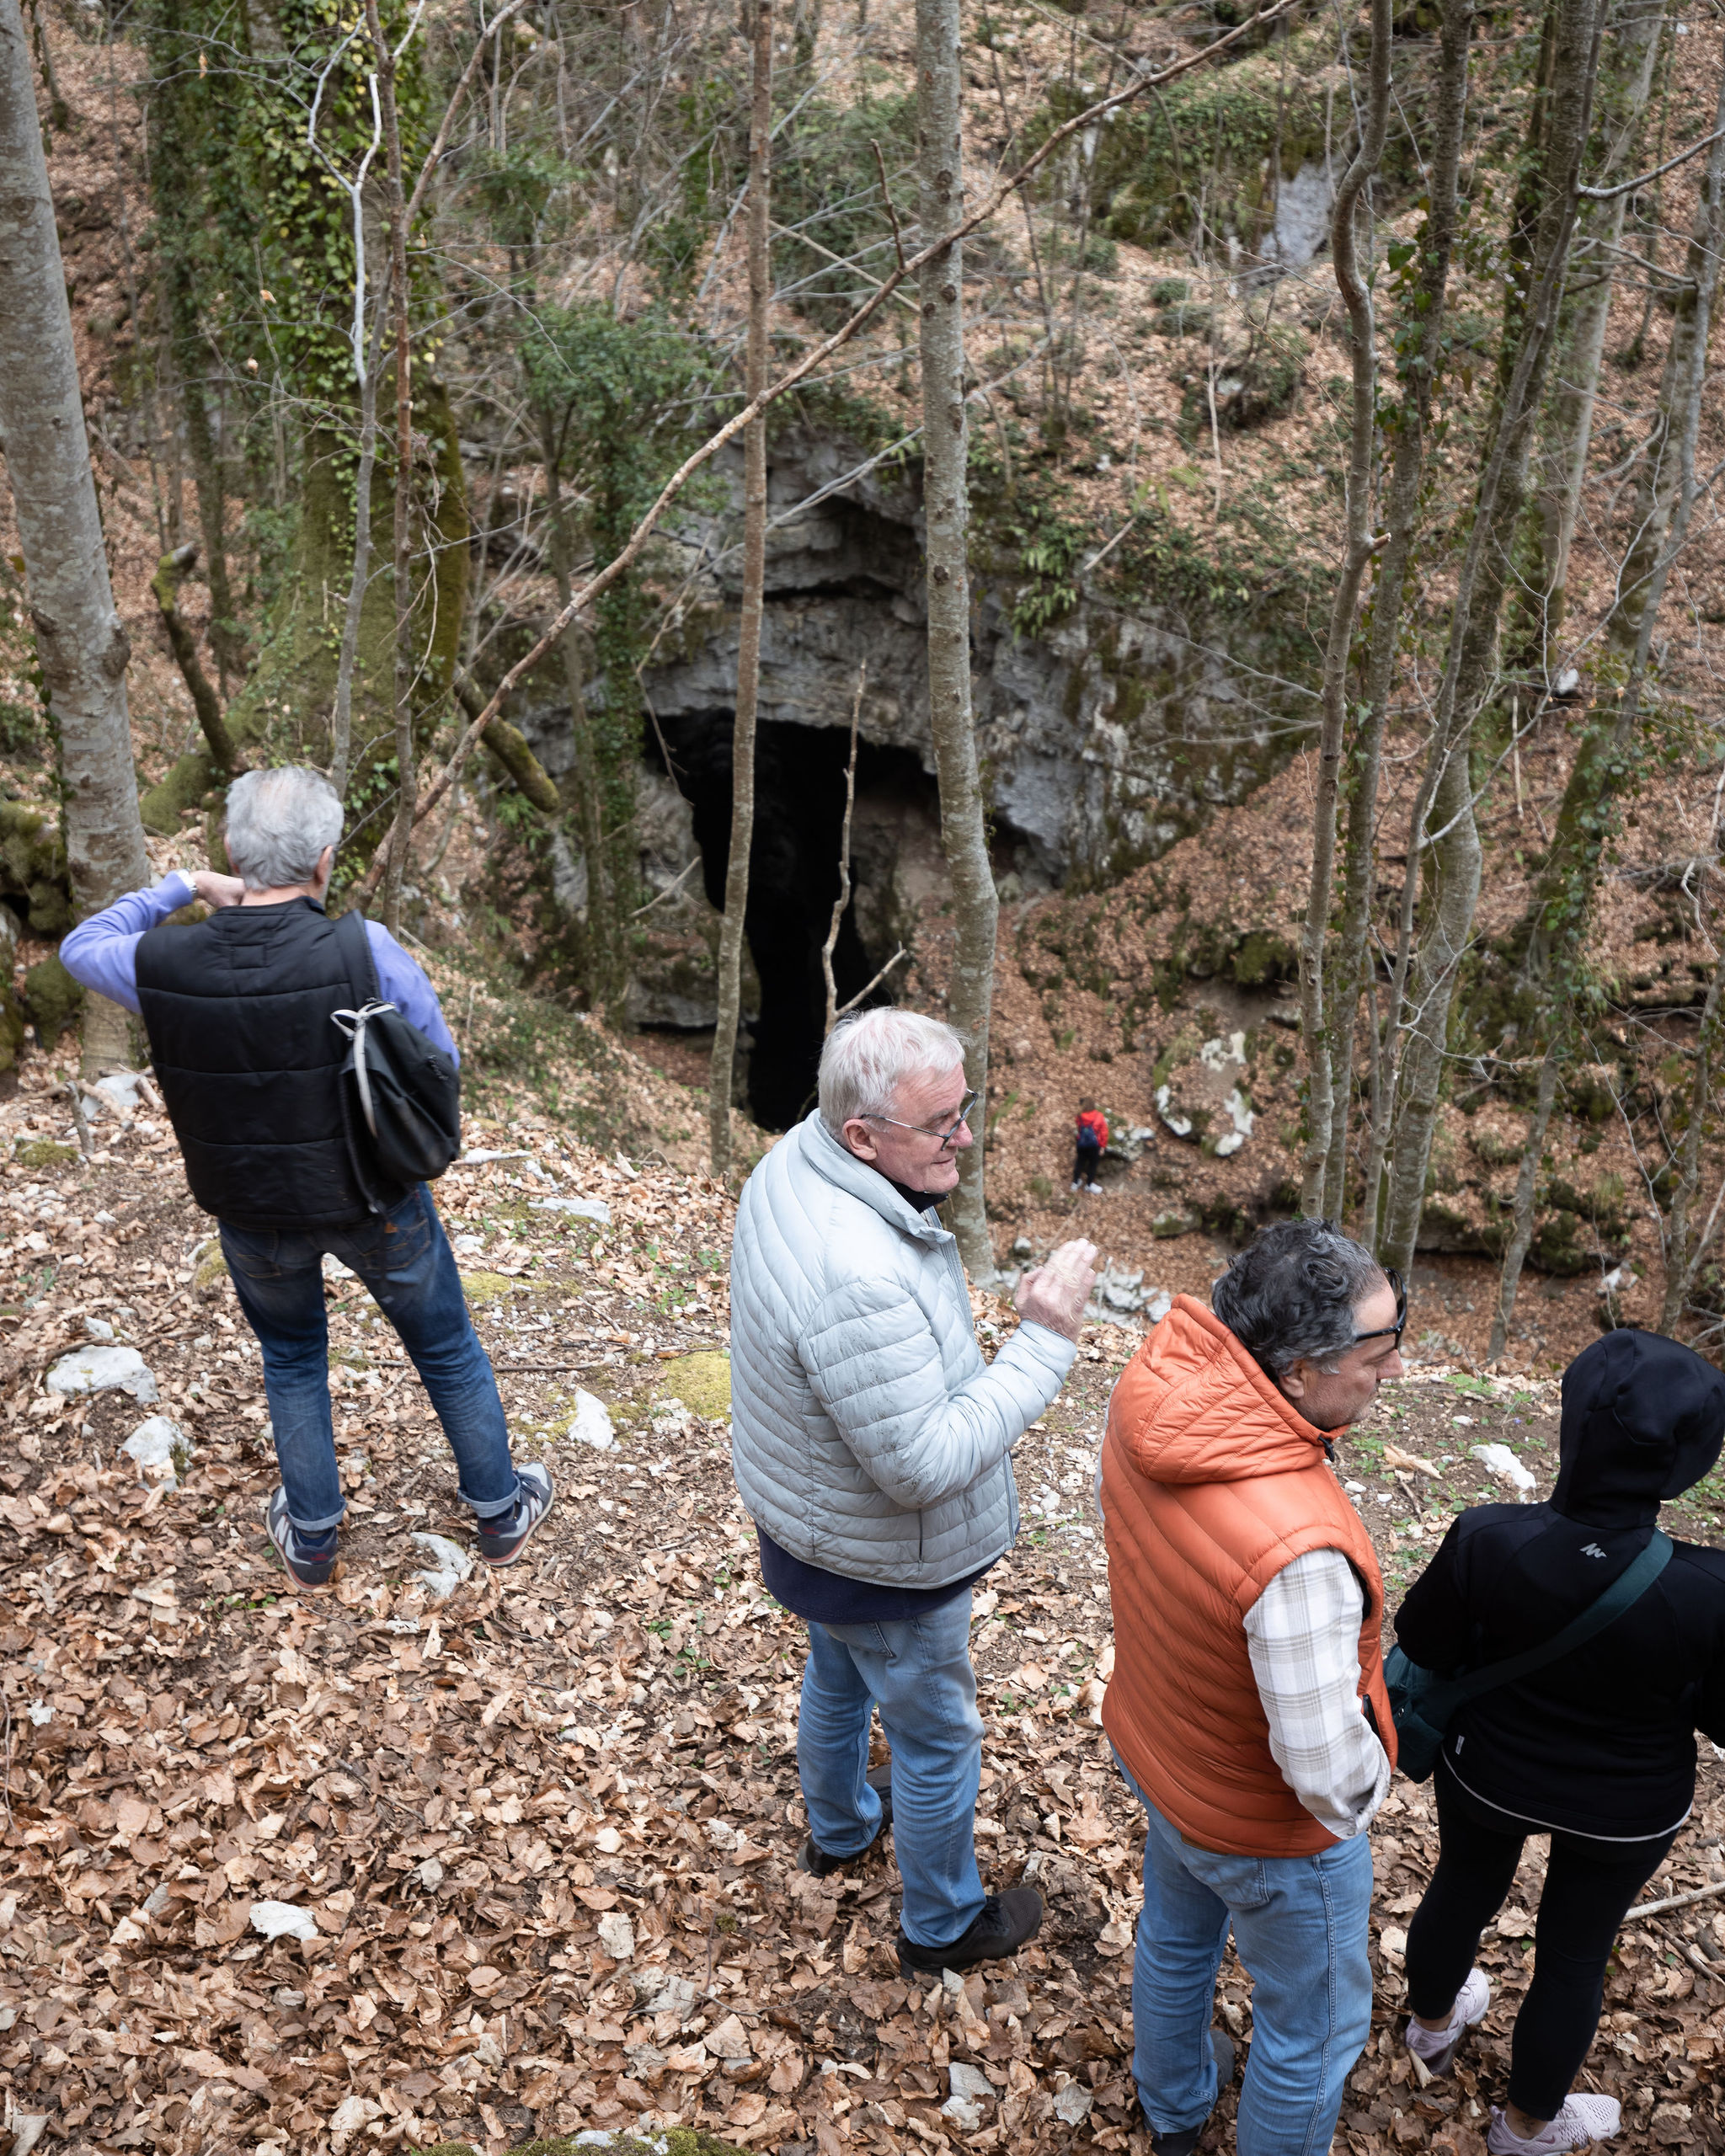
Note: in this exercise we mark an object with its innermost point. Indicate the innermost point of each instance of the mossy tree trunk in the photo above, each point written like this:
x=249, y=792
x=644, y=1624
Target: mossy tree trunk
x=742, y=837
x=80, y=642
x=1631, y=48
x=1356, y=295
x=287, y=700
x=947, y=517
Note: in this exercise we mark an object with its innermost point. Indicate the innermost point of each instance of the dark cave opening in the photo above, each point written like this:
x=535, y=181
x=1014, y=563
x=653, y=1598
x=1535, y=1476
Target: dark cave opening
x=793, y=878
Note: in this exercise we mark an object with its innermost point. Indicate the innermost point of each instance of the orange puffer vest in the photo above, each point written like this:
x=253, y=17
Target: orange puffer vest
x=1211, y=1484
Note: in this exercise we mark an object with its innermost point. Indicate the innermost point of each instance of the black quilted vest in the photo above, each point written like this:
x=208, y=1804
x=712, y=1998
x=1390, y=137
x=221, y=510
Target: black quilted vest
x=238, y=1013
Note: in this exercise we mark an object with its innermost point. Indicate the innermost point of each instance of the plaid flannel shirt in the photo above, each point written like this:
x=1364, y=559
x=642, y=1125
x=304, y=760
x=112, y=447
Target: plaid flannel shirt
x=1303, y=1634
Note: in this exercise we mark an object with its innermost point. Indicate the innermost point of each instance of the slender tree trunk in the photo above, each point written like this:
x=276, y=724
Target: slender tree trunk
x=1356, y=295
x=1626, y=73
x=1423, y=321
x=406, y=772
x=947, y=517
x=80, y=641
x=1453, y=850
x=604, y=954
x=341, y=718
x=1683, y=1251
x=225, y=639
x=742, y=838
x=1600, y=771
x=1521, y=1217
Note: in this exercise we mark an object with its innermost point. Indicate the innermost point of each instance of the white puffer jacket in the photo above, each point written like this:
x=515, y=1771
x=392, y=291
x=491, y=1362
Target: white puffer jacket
x=868, y=1436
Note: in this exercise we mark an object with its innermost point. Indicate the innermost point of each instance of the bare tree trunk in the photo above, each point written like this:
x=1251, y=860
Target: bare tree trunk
x=742, y=839
x=946, y=508
x=1632, y=48
x=1344, y=610
x=1521, y=1218
x=80, y=641
x=406, y=774
x=1423, y=325
x=341, y=720
x=1683, y=1252
x=1452, y=849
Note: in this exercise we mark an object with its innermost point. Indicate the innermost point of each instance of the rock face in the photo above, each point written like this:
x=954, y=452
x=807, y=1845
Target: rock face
x=1105, y=737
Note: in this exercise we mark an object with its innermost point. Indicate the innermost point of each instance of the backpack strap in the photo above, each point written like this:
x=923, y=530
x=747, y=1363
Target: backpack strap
x=356, y=945
x=1442, y=1699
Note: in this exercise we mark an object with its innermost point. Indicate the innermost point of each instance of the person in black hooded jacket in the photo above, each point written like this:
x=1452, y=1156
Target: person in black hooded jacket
x=1596, y=1749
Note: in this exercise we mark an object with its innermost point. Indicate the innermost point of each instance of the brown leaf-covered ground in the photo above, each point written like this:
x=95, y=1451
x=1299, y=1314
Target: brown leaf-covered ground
x=546, y=1829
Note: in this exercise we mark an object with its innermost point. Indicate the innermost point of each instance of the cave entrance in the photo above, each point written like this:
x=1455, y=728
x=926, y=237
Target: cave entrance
x=793, y=878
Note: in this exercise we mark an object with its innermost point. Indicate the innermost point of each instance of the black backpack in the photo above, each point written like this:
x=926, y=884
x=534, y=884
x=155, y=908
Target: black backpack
x=401, y=1097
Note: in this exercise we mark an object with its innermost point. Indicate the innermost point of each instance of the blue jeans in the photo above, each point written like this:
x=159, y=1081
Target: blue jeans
x=404, y=1259
x=917, y=1671
x=1300, y=1927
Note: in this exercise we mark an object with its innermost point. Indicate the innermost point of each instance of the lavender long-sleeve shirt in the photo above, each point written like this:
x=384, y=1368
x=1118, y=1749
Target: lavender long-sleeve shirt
x=103, y=953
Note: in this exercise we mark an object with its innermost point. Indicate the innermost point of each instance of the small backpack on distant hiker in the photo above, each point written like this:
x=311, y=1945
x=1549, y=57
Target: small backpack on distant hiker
x=401, y=1096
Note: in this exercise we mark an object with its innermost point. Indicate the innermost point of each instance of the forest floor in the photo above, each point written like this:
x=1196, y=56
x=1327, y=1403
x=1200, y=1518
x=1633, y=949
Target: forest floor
x=540, y=1834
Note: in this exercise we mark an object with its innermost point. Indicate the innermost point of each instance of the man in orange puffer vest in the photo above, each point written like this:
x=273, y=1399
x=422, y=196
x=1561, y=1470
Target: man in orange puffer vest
x=1248, y=1709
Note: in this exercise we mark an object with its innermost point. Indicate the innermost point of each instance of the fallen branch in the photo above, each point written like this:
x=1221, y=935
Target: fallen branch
x=1675, y=1901
x=624, y=559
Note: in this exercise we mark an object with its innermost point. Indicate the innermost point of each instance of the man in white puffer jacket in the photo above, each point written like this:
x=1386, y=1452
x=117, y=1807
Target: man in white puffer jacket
x=872, y=1449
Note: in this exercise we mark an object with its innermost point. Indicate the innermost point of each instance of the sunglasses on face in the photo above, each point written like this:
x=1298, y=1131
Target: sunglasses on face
x=1390, y=1332
x=945, y=1136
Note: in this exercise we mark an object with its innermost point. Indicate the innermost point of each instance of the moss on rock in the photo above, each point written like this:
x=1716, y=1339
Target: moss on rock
x=43, y=1153
x=483, y=1288
x=33, y=867
x=702, y=1382
x=52, y=998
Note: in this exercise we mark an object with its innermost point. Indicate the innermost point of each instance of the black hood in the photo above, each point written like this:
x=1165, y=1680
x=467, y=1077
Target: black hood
x=1644, y=1418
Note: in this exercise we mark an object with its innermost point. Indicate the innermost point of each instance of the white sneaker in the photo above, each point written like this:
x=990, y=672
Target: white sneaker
x=1582, y=2121
x=1075, y=1185
x=1435, y=2048
x=1096, y=1186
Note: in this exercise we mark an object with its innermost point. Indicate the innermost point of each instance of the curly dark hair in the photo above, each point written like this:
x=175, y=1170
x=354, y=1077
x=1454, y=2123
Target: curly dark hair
x=1291, y=1294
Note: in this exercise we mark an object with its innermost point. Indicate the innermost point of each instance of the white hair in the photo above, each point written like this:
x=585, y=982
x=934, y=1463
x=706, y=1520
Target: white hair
x=868, y=1056
x=278, y=823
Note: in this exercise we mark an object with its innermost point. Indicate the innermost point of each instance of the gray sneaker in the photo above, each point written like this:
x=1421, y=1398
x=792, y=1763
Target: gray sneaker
x=502, y=1538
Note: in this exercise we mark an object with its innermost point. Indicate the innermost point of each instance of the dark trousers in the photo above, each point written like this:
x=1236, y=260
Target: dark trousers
x=1088, y=1161
x=1589, y=1886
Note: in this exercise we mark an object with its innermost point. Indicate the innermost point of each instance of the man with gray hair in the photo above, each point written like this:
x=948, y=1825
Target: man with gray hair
x=1248, y=1709
x=873, y=1447
x=239, y=1009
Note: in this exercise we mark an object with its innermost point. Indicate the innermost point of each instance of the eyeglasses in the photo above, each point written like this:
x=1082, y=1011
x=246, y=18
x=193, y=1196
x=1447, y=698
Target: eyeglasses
x=1388, y=1331
x=946, y=1137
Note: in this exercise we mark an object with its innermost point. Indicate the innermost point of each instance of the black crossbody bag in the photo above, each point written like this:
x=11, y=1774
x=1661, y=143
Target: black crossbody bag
x=1424, y=1703
x=401, y=1097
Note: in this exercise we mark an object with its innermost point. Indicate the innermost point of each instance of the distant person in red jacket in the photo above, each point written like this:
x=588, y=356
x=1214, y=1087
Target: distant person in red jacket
x=1093, y=1136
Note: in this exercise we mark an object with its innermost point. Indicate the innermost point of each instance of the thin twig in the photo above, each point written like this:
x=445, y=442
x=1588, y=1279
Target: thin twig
x=886, y=197
x=871, y=985
x=1642, y=180
x=843, y=899
x=78, y=1118
x=671, y=890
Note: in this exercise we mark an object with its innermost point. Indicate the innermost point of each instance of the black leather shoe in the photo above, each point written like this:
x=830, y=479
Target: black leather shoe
x=1186, y=2139
x=1008, y=1921
x=811, y=1857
